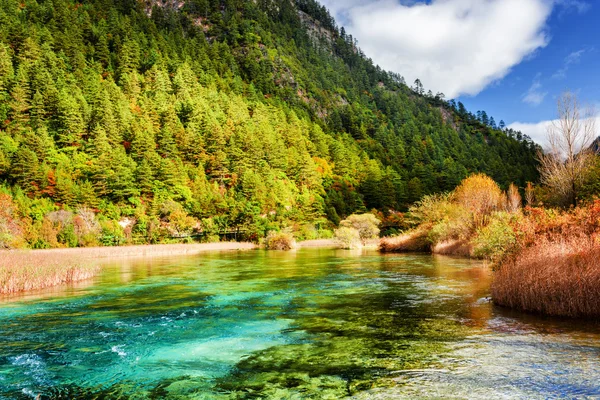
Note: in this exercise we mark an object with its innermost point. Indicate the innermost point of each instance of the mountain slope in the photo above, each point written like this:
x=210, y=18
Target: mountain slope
x=213, y=116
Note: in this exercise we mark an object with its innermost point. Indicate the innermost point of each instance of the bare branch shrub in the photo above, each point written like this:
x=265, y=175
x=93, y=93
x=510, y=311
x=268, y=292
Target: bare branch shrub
x=513, y=199
x=529, y=194
x=569, y=158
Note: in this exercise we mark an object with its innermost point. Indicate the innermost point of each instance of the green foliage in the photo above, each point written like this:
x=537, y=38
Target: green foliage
x=495, y=239
x=67, y=236
x=112, y=234
x=432, y=209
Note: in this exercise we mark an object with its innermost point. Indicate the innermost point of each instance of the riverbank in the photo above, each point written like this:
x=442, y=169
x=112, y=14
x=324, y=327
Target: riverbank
x=545, y=260
x=26, y=270
x=154, y=250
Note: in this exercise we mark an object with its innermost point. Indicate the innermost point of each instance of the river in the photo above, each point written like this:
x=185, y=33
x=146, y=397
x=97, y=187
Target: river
x=315, y=323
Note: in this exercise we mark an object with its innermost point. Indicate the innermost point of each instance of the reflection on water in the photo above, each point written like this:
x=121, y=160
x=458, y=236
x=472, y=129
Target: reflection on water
x=306, y=324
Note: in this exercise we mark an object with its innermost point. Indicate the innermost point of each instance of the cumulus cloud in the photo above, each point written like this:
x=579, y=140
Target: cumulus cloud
x=535, y=96
x=454, y=46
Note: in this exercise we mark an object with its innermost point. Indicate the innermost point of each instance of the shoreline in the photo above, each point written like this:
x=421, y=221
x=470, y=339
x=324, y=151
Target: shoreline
x=145, y=250
x=317, y=244
x=155, y=250
x=23, y=271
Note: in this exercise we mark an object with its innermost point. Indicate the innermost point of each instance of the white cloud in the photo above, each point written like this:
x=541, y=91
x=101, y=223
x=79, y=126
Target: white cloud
x=453, y=46
x=571, y=59
x=535, y=96
x=538, y=131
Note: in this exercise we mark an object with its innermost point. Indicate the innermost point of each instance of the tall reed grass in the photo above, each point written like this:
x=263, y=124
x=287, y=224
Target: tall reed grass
x=560, y=278
x=415, y=241
x=21, y=271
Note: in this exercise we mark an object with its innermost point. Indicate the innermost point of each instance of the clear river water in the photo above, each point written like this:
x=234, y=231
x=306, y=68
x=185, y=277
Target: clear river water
x=310, y=324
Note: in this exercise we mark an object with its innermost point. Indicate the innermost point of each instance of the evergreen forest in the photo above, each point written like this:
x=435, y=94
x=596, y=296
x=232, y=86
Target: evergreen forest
x=126, y=121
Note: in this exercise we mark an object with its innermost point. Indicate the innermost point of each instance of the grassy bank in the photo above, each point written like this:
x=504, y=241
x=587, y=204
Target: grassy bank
x=545, y=260
x=553, y=278
x=22, y=271
x=553, y=268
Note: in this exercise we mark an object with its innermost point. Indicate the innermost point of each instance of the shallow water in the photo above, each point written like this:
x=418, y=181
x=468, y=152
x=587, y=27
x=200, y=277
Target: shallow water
x=308, y=324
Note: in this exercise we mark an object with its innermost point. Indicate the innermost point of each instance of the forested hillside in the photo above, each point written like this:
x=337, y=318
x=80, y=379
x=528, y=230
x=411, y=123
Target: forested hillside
x=123, y=120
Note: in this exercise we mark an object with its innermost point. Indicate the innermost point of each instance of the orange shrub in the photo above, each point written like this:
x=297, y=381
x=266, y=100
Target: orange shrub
x=513, y=199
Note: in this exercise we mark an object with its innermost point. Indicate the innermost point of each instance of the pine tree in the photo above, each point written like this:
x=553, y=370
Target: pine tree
x=20, y=99
x=25, y=170
x=144, y=177
x=6, y=67
x=70, y=117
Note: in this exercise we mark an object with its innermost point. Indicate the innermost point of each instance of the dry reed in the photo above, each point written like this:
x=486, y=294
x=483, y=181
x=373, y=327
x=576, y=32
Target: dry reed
x=407, y=243
x=39, y=269
x=23, y=271
x=560, y=278
x=461, y=248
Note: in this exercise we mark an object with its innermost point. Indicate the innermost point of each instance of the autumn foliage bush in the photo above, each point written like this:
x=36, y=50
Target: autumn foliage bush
x=356, y=230
x=348, y=238
x=480, y=195
x=367, y=226
x=449, y=223
x=414, y=241
x=280, y=241
x=553, y=267
x=545, y=260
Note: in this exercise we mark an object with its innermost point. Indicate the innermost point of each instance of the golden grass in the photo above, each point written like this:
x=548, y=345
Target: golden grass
x=410, y=242
x=146, y=250
x=455, y=247
x=560, y=278
x=23, y=271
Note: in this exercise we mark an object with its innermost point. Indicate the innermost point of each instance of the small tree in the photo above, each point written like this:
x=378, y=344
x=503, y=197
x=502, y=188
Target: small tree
x=564, y=167
x=367, y=226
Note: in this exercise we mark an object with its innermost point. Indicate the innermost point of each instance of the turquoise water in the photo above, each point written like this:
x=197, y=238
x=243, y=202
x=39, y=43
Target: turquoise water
x=321, y=324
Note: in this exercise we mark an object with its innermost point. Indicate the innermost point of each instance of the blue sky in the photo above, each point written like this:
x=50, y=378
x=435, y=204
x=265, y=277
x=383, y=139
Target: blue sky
x=511, y=58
